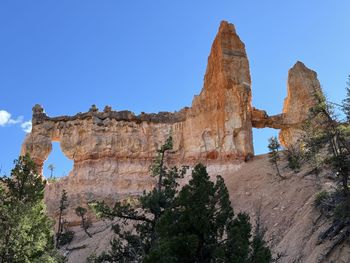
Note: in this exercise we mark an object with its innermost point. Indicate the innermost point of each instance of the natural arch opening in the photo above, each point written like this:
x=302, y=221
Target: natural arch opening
x=57, y=164
x=261, y=137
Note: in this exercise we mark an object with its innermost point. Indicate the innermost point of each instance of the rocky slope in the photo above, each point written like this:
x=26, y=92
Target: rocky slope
x=286, y=206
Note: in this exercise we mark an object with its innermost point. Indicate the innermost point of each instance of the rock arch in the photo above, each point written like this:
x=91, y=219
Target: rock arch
x=112, y=150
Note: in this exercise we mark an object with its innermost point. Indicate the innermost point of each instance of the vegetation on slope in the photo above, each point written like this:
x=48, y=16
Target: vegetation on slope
x=194, y=223
x=25, y=229
x=325, y=144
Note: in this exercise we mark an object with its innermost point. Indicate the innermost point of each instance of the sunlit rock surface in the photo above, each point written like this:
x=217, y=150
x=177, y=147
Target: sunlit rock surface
x=303, y=86
x=112, y=150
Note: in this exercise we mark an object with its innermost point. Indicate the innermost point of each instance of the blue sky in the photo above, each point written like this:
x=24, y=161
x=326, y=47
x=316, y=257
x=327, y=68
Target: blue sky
x=151, y=56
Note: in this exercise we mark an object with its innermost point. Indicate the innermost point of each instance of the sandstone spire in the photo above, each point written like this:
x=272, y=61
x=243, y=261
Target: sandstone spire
x=301, y=88
x=302, y=85
x=227, y=60
x=226, y=96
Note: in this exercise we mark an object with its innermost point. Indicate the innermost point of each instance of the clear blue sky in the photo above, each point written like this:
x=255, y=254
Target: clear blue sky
x=151, y=55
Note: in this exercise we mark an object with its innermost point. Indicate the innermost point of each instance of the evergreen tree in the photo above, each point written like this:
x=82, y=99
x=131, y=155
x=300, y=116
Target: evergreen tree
x=326, y=140
x=294, y=157
x=85, y=223
x=25, y=229
x=133, y=245
x=63, y=206
x=346, y=101
x=260, y=251
x=193, y=224
x=192, y=229
x=274, y=154
x=51, y=167
x=326, y=144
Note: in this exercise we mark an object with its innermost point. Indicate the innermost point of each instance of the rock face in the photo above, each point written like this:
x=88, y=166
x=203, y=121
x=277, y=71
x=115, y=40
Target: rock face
x=220, y=115
x=112, y=150
x=302, y=87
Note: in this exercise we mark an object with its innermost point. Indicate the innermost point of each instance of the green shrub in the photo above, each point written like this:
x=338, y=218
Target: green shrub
x=294, y=158
x=321, y=197
x=66, y=238
x=342, y=210
x=52, y=179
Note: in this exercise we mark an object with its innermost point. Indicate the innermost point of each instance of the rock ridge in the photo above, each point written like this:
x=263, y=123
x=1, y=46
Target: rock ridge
x=39, y=116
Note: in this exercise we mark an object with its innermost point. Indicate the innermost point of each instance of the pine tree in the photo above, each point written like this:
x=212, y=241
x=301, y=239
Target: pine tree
x=85, y=223
x=51, y=167
x=326, y=145
x=274, y=155
x=192, y=229
x=63, y=206
x=346, y=101
x=132, y=246
x=260, y=252
x=25, y=229
x=326, y=140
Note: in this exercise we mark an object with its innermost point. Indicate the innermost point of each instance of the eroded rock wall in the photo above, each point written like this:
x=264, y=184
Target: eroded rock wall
x=112, y=150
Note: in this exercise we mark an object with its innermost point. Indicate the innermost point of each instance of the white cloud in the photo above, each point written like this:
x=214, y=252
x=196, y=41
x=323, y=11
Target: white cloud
x=5, y=119
x=27, y=126
x=15, y=121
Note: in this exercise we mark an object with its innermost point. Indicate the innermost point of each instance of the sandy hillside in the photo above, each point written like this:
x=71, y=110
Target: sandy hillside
x=287, y=212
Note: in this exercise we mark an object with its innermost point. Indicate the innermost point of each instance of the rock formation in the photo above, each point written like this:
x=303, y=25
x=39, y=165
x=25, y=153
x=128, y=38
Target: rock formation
x=302, y=86
x=112, y=150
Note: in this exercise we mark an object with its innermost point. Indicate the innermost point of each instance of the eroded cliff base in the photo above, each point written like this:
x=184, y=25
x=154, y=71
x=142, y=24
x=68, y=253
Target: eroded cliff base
x=292, y=223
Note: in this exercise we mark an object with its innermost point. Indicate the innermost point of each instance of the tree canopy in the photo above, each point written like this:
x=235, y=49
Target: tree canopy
x=25, y=229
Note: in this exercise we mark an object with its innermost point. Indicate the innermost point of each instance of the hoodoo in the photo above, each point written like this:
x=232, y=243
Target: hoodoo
x=302, y=86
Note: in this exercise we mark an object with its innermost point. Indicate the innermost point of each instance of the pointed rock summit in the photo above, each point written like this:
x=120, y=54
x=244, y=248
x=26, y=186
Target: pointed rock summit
x=302, y=86
x=226, y=95
x=227, y=60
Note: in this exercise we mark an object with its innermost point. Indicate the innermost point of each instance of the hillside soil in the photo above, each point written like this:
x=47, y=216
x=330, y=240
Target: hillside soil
x=286, y=210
